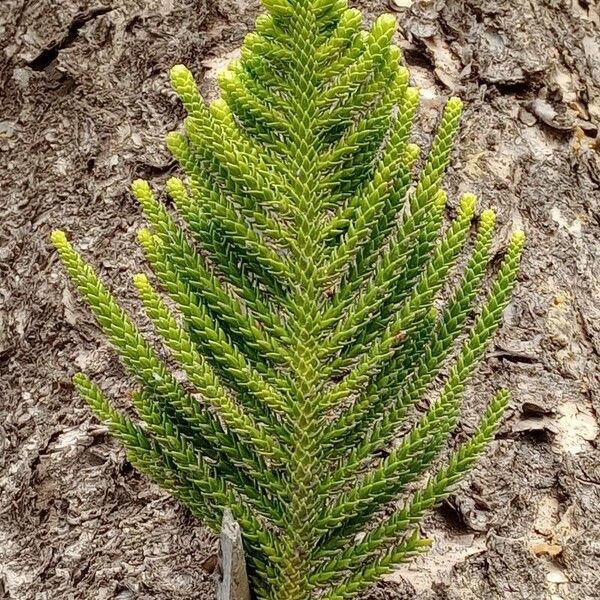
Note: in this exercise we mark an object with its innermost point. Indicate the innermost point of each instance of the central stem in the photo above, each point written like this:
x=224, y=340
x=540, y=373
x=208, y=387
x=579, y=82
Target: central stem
x=299, y=537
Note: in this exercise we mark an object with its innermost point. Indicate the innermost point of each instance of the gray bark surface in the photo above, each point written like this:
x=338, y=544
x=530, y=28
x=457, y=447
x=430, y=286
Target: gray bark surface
x=84, y=108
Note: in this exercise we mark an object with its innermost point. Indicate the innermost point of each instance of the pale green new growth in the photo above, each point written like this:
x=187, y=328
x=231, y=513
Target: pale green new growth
x=306, y=289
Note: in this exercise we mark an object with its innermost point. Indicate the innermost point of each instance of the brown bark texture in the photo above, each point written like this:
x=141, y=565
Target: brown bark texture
x=84, y=107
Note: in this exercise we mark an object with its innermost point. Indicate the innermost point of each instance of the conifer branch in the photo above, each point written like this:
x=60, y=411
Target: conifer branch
x=310, y=307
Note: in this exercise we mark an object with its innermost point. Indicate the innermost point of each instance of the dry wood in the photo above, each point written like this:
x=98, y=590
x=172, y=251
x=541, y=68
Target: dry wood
x=233, y=582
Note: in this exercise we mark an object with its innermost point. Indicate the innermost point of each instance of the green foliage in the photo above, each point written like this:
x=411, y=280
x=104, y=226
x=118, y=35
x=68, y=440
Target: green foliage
x=310, y=298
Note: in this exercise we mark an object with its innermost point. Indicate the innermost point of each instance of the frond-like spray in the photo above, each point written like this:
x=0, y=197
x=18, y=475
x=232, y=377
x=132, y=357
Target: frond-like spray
x=301, y=293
